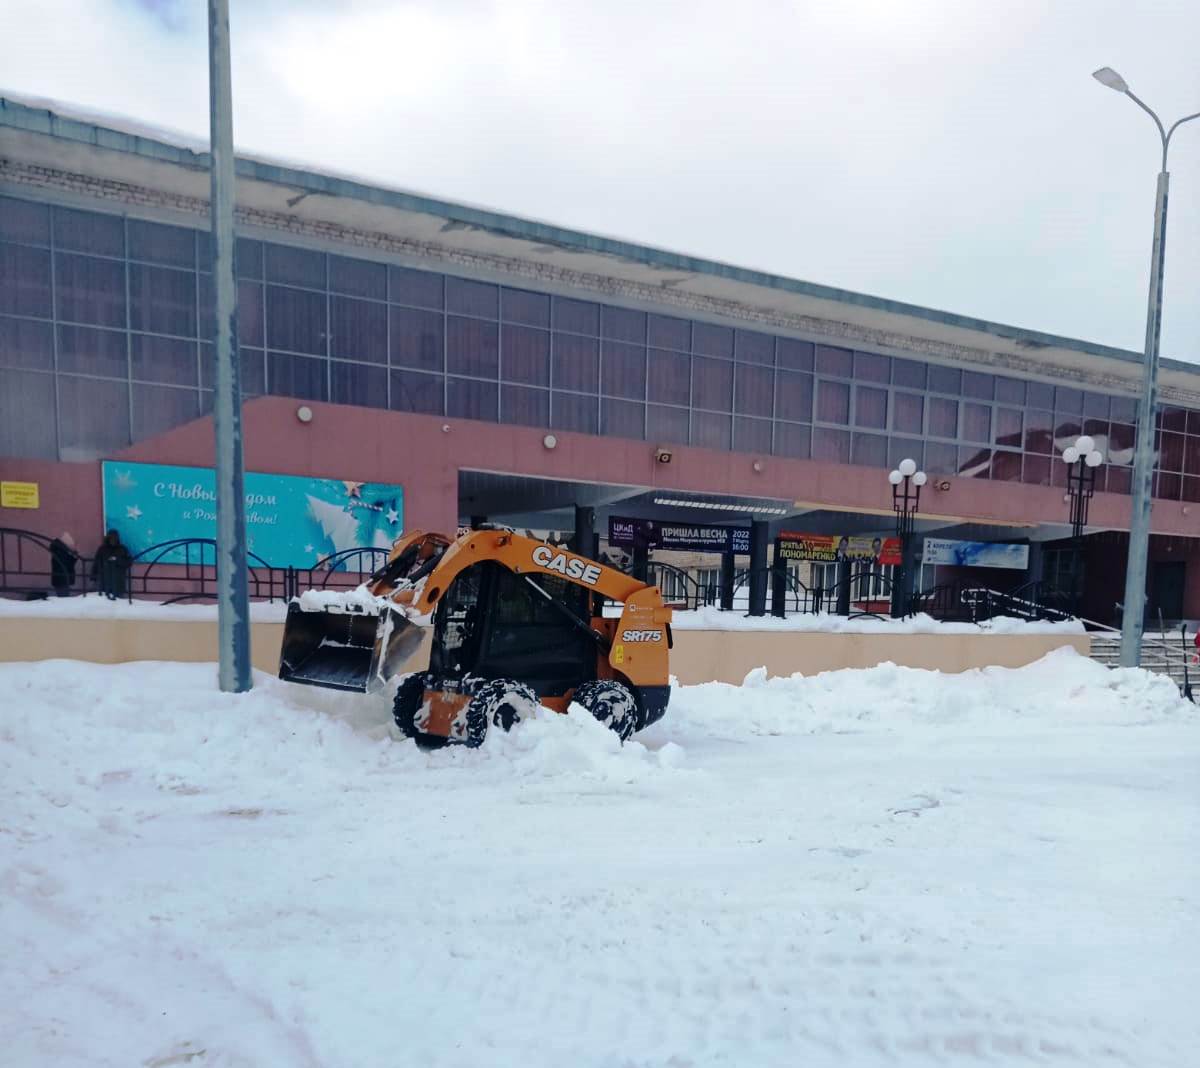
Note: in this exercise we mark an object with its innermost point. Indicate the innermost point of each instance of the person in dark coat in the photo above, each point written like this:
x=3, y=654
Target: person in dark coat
x=110, y=567
x=63, y=559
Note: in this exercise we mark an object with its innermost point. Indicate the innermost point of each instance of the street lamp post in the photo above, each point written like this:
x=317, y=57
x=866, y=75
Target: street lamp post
x=1132, y=619
x=906, y=483
x=1081, y=459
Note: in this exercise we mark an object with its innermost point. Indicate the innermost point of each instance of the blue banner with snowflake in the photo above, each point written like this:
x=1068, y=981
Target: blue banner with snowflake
x=291, y=521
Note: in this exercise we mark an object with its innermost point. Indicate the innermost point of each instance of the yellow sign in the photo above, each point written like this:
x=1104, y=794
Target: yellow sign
x=19, y=495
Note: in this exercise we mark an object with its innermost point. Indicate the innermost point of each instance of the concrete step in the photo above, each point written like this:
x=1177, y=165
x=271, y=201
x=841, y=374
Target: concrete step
x=1163, y=659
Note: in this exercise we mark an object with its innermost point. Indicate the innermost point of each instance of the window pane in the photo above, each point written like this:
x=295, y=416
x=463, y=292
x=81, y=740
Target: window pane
x=1068, y=401
x=978, y=385
x=974, y=462
x=24, y=343
x=869, y=450
x=943, y=418
x=869, y=367
x=941, y=459
x=576, y=363
x=162, y=300
x=358, y=329
x=22, y=220
x=710, y=431
x=1039, y=432
x=905, y=449
x=669, y=377
x=253, y=365
x=296, y=376
x=1168, y=486
x=1039, y=395
x=833, y=403
x=908, y=412
x=359, y=384
x=294, y=266
x=977, y=422
x=1066, y=430
x=86, y=231
x=831, y=445
x=157, y=409
x=93, y=352
x=1009, y=427
x=870, y=407
x=668, y=426
x=472, y=298
x=622, y=419
x=793, y=395
x=422, y=289
x=624, y=370
x=93, y=416
x=712, y=384
x=1010, y=390
x=834, y=361
x=753, y=347
x=621, y=324
x=755, y=393
x=794, y=355
x=157, y=243
x=569, y=411
x=793, y=439
x=1119, y=480
x=249, y=257
x=525, y=355
x=472, y=347
x=25, y=280
x=359, y=278
x=27, y=415
x=667, y=332
x=413, y=392
x=1006, y=466
x=1191, y=455
x=1170, y=451
x=164, y=359
x=1171, y=419
x=909, y=373
x=521, y=306
x=710, y=340
x=1123, y=409
x=945, y=379
x=90, y=290
x=752, y=435
x=417, y=339
x=577, y=316
x=295, y=320
x=468, y=399
x=1035, y=470
x=1096, y=406
x=250, y=314
x=521, y=406
x=1191, y=489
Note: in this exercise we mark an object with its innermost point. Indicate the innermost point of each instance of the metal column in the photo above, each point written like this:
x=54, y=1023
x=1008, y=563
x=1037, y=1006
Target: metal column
x=758, y=567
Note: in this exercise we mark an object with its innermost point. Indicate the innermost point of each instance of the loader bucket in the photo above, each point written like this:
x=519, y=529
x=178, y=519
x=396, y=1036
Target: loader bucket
x=346, y=650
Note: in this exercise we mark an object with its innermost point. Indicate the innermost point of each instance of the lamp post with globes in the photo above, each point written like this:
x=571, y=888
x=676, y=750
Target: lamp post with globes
x=1132, y=622
x=906, y=483
x=1081, y=459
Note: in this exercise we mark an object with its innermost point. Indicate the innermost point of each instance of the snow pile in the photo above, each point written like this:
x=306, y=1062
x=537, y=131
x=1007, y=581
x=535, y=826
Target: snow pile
x=359, y=599
x=1062, y=690
x=869, y=868
x=97, y=606
x=710, y=617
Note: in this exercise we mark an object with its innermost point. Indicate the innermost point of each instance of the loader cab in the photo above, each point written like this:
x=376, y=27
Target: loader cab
x=491, y=624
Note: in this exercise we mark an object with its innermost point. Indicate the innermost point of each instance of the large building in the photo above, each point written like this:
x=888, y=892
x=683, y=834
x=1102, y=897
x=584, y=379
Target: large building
x=496, y=366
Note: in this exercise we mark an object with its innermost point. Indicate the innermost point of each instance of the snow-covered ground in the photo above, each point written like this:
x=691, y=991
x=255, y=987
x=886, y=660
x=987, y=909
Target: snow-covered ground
x=882, y=867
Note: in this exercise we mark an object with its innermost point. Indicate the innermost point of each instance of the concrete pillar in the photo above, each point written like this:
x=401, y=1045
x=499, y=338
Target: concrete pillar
x=779, y=586
x=843, y=588
x=726, y=589
x=758, y=568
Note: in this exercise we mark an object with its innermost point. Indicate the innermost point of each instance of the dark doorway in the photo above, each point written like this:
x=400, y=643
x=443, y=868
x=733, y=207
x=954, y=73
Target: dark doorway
x=1166, y=590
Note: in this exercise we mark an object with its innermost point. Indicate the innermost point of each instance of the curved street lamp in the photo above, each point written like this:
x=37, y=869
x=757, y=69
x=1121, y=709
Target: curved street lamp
x=906, y=482
x=1132, y=622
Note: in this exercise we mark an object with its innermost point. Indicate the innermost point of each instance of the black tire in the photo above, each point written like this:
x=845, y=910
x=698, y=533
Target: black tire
x=409, y=697
x=612, y=703
x=499, y=702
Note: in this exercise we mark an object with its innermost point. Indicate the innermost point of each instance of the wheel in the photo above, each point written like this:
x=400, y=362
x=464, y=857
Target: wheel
x=612, y=703
x=406, y=707
x=502, y=702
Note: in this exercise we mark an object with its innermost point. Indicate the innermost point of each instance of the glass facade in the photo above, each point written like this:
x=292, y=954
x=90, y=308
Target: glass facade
x=106, y=338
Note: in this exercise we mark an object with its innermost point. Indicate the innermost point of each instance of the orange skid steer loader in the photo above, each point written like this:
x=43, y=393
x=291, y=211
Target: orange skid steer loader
x=515, y=622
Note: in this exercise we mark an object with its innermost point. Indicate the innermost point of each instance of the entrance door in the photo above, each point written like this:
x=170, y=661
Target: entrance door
x=1166, y=591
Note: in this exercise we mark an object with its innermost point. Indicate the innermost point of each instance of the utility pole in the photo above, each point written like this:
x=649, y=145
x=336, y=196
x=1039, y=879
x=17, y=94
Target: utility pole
x=233, y=602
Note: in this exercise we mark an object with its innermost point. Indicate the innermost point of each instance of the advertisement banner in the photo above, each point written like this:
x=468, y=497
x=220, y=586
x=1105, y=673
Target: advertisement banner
x=1014, y=557
x=682, y=537
x=829, y=548
x=291, y=521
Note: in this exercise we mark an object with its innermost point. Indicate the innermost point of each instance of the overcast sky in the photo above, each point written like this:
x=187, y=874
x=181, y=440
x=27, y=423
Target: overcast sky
x=951, y=153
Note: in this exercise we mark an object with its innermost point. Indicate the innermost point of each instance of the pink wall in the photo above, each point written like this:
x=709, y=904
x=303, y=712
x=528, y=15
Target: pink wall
x=415, y=451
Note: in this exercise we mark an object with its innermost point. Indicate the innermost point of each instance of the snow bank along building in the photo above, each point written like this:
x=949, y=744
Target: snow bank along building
x=496, y=366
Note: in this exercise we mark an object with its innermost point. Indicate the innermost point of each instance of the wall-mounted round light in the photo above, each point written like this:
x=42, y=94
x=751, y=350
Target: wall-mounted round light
x=550, y=441
x=757, y=465
x=304, y=413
